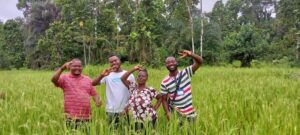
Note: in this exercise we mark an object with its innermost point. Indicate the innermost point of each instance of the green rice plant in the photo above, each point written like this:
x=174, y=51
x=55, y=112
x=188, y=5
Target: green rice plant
x=263, y=101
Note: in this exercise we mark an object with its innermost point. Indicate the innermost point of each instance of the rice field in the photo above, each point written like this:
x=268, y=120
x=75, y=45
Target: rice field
x=260, y=101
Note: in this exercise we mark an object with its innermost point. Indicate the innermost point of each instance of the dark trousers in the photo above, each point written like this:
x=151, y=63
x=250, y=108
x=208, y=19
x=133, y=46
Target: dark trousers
x=190, y=121
x=142, y=125
x=75, y=124
x=115, y=119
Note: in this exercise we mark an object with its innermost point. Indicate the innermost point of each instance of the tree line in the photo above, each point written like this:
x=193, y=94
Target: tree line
x=147, y=31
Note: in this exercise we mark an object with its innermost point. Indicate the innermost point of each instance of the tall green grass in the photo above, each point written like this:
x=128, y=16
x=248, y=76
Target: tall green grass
x=228, y=101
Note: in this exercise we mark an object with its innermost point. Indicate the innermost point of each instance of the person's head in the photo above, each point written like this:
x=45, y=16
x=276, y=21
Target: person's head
x=114, y=62
x=171, y=63
x=75, y=67
x=142, y=76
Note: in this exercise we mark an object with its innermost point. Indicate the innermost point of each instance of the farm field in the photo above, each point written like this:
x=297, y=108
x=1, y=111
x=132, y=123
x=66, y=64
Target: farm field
x=262, y=101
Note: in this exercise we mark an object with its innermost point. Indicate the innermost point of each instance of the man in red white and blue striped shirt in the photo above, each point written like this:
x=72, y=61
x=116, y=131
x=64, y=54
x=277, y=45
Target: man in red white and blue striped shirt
x=176, y=87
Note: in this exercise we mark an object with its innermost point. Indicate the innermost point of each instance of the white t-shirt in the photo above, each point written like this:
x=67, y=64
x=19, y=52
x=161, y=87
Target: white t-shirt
x=117, y=94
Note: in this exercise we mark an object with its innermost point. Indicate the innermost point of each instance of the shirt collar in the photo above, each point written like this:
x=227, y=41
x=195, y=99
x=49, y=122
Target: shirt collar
x=73, y=76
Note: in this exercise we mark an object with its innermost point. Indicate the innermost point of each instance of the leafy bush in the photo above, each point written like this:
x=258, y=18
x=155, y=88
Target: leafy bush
x=236, y=64
x=283, y=62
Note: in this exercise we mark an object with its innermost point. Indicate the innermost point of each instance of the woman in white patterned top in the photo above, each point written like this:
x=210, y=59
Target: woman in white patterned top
x=141, y=98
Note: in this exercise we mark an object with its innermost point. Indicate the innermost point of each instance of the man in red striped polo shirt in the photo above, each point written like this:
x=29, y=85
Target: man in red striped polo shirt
x=176, y=87
x=77, y=90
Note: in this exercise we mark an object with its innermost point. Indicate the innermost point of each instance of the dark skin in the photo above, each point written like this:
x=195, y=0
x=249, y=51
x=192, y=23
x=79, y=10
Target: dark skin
x=171, y=65
x=115, y=66
x=75, y=68
x=141, y=80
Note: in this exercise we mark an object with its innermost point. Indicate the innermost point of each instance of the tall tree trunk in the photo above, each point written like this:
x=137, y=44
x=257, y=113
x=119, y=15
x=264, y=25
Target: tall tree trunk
x=89, y=49
x=191, y=24
x=137, y=5
x=142, y=50
x=84, y=53
x=298, y=48
x=201, y=34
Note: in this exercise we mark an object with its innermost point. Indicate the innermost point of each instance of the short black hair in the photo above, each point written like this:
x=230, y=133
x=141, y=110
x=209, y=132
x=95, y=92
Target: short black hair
x=144, y=70
x=170, y=57
x=111, y=55
x=76, y=59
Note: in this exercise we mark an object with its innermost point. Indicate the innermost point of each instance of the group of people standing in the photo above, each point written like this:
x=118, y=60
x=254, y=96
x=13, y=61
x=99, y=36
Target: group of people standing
x=124, y=94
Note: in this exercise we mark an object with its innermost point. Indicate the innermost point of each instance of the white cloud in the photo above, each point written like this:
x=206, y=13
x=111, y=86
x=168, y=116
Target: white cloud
x=209, y=4
x=8, y=10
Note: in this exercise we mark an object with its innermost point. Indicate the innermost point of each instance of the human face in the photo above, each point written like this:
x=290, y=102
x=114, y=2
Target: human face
x=171, y=64
x=114, y=62
x=142, y=77
x=76, y=68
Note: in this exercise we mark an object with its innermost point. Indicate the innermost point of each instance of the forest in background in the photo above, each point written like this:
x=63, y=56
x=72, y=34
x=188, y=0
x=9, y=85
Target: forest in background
x=247, y=32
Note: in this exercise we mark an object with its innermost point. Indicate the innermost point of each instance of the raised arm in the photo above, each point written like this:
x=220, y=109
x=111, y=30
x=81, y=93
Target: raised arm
x=101, y=76
x=128, y=73
x=58, y=72
x=196, y=58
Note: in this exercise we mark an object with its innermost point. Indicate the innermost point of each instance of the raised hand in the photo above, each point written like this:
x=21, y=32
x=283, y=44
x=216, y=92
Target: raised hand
x=66, y=65
x=137, y=67
x=106, y=72
x=185, y=53
x=98, y=104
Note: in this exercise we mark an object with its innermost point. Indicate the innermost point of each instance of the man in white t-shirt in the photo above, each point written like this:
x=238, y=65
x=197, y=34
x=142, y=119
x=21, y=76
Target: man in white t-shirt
x=117, y=94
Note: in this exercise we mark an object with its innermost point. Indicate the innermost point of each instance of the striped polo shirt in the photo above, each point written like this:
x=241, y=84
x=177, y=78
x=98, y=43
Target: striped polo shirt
x=183, y=100
x=77, y=92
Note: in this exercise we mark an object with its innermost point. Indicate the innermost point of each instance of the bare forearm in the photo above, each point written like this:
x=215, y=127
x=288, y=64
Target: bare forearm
x=165, y=104
x=97, y=80
x=158, y=101
x=56, y=76
x=197, y=61
x=156, y=106
x=125, y=76
x=97, y=100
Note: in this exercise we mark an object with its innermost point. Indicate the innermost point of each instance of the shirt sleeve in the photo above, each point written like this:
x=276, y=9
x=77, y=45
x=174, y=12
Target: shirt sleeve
x=103, y=80
x=93, y=91
x=153, y=93
x=131, y=78
x=188, y=70
x=61, y=81
x=163, y=89
x=132, y=87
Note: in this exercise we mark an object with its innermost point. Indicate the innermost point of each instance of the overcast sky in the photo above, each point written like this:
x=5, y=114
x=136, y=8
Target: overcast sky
x=8, y=9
